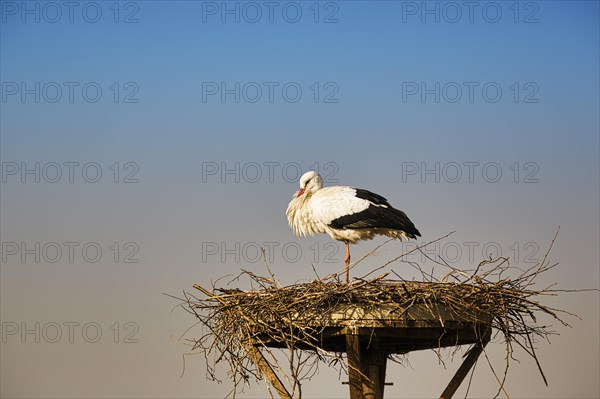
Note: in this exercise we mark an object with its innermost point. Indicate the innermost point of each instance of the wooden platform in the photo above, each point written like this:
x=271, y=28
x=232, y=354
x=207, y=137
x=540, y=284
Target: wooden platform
x=369, y=335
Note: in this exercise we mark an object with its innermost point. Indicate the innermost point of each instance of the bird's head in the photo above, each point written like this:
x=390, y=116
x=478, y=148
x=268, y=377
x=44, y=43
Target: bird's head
x=310, y=183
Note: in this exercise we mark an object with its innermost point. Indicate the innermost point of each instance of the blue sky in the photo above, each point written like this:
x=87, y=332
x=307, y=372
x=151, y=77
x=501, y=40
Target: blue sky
x=360, y=114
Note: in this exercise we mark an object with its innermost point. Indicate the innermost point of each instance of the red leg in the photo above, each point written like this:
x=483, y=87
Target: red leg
x=347, y=260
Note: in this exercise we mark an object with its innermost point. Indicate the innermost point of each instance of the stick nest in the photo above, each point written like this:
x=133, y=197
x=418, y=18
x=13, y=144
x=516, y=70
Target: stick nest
x=233, y=320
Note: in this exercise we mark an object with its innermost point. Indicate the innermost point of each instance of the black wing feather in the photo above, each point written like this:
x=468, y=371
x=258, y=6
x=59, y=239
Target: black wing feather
x=369, y=196
x=378, y=215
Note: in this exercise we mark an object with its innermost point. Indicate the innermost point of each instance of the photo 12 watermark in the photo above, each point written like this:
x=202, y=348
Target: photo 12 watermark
x=454, y=12
x=265, y=171
x=470, y=172
x=30, y=252
x=52, y=332
x=252, y=12
x=473, y=252
x=54, y=12
x=470, y=92
x=270, y=92
x=69, y=172
x=271, y=252
x=69, y=92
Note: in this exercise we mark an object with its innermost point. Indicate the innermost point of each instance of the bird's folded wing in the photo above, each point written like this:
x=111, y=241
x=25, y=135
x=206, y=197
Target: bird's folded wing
x=331, y=204
x=354, y=208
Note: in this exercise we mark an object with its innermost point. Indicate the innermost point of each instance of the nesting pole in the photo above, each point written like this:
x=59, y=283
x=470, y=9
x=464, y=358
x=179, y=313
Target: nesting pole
x=369, y=335
x=366, y=367
x=367, y=322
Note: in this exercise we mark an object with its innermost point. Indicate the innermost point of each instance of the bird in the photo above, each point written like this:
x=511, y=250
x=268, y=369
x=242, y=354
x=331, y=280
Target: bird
x=345, y=213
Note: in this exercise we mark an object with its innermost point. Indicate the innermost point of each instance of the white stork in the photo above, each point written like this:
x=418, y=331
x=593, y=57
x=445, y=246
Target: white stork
x=346, y=213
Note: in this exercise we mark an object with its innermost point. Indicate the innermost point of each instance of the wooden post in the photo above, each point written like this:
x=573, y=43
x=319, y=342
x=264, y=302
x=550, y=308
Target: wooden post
x=376, y=359
x=354, y=366
x=366, y=368
x=463, y=370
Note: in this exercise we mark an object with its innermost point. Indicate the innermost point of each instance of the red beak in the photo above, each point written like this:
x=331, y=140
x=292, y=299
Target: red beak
x=299, y=192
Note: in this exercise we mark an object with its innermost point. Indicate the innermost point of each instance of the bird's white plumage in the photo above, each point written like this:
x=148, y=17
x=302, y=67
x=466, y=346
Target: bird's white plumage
x=331, y=203
x=345, y=213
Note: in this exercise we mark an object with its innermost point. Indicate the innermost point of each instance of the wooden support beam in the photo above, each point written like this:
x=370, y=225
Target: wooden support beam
x=265, y=368
x=463, y=370
x=366, y=368
x=376, y=359
x=354, y=366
